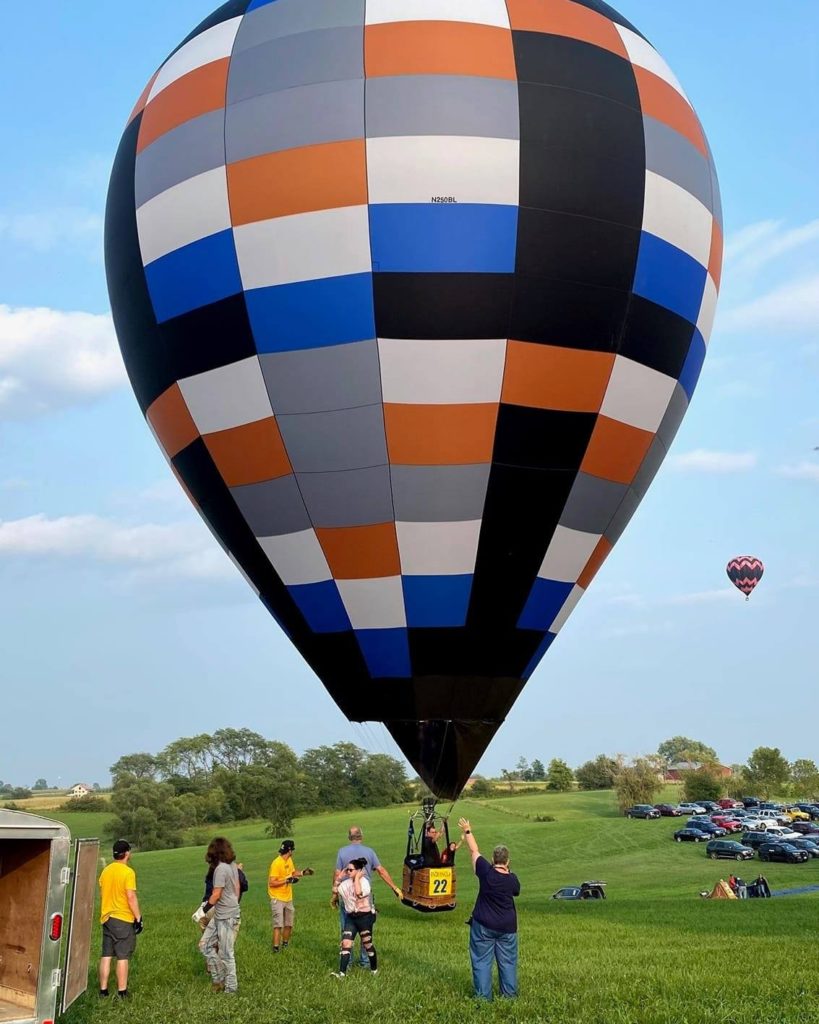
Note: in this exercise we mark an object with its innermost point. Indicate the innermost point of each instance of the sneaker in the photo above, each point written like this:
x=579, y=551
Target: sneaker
x=218, y=986
x=375, y=971
x=104, y=993
x=337, y=974
x=276, y=949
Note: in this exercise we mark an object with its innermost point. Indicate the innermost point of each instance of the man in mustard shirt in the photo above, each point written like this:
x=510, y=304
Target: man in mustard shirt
x=120, y=917
x=280, y=879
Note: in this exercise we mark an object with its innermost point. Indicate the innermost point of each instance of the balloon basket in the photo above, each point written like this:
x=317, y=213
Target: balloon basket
x=428, y=890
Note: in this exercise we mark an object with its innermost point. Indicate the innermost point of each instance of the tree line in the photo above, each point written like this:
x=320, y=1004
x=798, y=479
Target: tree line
x=235, y=774
x=638, y=780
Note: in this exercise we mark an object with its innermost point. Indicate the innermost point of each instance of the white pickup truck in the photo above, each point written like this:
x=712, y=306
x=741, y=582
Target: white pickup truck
x=43, y=955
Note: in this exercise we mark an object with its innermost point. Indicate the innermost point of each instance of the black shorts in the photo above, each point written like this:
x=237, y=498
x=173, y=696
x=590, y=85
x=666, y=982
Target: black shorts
x=118, y=939
x=358, y=923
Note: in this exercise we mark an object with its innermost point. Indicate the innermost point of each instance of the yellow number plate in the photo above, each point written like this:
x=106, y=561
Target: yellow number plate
x=440, y=881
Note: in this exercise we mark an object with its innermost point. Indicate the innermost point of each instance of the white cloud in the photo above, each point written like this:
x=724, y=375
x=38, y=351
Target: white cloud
x=50, y=359
x=703, y=597
x=754, y=246
x=702, y=461
x=801, y=471
x=46, y=230
x=181, y=550
x=788, y=308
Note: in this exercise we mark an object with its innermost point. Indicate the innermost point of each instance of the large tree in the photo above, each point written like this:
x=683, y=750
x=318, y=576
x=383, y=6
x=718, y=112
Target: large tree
x=805, y=778
x=767, y=770
x=559, y=775
x=682, y=748
x=137, y=766
x=702, y=785
x=637, y=783
x=597, y=774
x=537, y=771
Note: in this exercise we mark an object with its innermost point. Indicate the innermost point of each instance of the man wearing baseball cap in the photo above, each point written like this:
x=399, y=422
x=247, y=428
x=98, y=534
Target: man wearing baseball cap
x=120, y=917
x=281, y=878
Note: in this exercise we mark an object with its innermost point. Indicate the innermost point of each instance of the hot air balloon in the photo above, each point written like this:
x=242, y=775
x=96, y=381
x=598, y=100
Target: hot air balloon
x=745, y=571
x=414, y=295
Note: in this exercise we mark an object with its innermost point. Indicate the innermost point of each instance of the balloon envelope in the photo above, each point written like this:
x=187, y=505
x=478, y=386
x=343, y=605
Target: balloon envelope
x=414, y=296
x=745, y=571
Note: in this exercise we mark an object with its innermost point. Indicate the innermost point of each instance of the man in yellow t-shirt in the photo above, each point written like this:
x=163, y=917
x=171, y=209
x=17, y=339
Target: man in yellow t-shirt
x=120, y=917
x=280, y=878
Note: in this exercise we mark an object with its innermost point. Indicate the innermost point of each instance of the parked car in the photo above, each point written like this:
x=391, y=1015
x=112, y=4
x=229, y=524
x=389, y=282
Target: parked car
x=805, y=828
x=690, y=835
x=812, y=810
x=783, y=852
x=755, y=839
x=668, y=810
x=728, y=849
x=729, y=824
x=810, y=848
x=780, y=832
x=642, y=811
x=795, y=814
x=584, y=891
x=770, y=805
x=688, y=808
x=728, y=803
x=750, y=801
x=709, y=805
x=709, y=828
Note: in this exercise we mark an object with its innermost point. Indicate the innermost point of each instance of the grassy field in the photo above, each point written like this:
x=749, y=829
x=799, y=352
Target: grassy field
x=652, y=952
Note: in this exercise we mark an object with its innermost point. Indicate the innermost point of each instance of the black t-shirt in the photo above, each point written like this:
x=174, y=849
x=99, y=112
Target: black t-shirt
x=495, y=905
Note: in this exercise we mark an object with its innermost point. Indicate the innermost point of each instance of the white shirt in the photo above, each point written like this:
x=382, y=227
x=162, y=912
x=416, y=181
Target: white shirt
x=356, y=904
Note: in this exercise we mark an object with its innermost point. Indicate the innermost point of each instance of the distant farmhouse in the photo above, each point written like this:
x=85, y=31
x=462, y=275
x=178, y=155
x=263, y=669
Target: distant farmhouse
x=80, y=789
x=676, y=771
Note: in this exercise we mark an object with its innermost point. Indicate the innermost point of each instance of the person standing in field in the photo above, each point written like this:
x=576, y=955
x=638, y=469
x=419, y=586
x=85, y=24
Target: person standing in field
x=354, y=850
x=281, y=878
x=493, y=931
x=355, y=895
x=120, y=916
x=219, y=940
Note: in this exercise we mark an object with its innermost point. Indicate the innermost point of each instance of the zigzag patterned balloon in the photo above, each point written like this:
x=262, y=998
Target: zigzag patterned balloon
x=414, y=295
x=745, y=571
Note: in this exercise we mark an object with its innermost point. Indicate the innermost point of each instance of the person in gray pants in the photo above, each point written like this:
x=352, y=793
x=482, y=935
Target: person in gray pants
x=219, y=940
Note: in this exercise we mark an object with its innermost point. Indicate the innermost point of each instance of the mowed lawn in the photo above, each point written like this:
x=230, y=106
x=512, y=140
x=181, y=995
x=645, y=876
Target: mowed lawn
x=652, y=952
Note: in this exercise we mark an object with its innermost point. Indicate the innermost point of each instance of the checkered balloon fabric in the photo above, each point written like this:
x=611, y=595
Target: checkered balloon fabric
x=414, y=295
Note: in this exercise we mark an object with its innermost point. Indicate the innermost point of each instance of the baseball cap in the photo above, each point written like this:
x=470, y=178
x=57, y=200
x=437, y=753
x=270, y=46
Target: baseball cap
x=121, y=846
x=287, y=846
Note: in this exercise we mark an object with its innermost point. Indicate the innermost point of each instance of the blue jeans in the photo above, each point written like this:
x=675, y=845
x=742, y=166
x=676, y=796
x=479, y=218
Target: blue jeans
x=363, y=959
x=486, y=945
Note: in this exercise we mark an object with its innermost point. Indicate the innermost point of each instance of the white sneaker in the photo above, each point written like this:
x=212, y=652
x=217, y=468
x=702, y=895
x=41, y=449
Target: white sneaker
x=375, y=971
x=337, y=974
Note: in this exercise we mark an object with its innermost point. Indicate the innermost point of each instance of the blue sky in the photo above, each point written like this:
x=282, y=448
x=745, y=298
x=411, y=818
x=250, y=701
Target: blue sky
x=124, y=625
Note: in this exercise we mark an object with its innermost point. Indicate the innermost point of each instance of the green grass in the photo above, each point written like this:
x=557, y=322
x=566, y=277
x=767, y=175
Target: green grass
x=652, y=952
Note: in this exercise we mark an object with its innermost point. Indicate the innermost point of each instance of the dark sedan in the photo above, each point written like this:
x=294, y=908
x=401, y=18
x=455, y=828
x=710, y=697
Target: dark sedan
x=668, y=810
x=690, y=835
x=807, y=828
x=755, y=839
x=714, y=831
x=810, y=848
x=784, y=852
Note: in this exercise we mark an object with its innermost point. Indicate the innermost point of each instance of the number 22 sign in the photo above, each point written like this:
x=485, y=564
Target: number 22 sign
x=440, y=881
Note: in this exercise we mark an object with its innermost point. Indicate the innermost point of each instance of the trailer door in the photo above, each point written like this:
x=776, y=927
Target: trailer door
x=80, y=921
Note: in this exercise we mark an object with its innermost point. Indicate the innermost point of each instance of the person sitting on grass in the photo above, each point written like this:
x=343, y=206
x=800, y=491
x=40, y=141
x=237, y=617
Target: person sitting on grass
x=355, y=895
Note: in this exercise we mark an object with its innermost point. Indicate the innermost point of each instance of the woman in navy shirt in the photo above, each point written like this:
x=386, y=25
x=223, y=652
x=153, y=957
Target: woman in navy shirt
x=494, y=924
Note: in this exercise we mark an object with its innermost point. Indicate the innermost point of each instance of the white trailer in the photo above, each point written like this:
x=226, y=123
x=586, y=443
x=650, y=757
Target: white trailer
x=43, y=954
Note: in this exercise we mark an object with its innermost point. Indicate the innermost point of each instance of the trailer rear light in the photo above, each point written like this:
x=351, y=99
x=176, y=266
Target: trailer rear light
x=55, y=931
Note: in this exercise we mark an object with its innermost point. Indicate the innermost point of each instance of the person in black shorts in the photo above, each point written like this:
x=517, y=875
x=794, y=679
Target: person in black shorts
x=355, y=895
